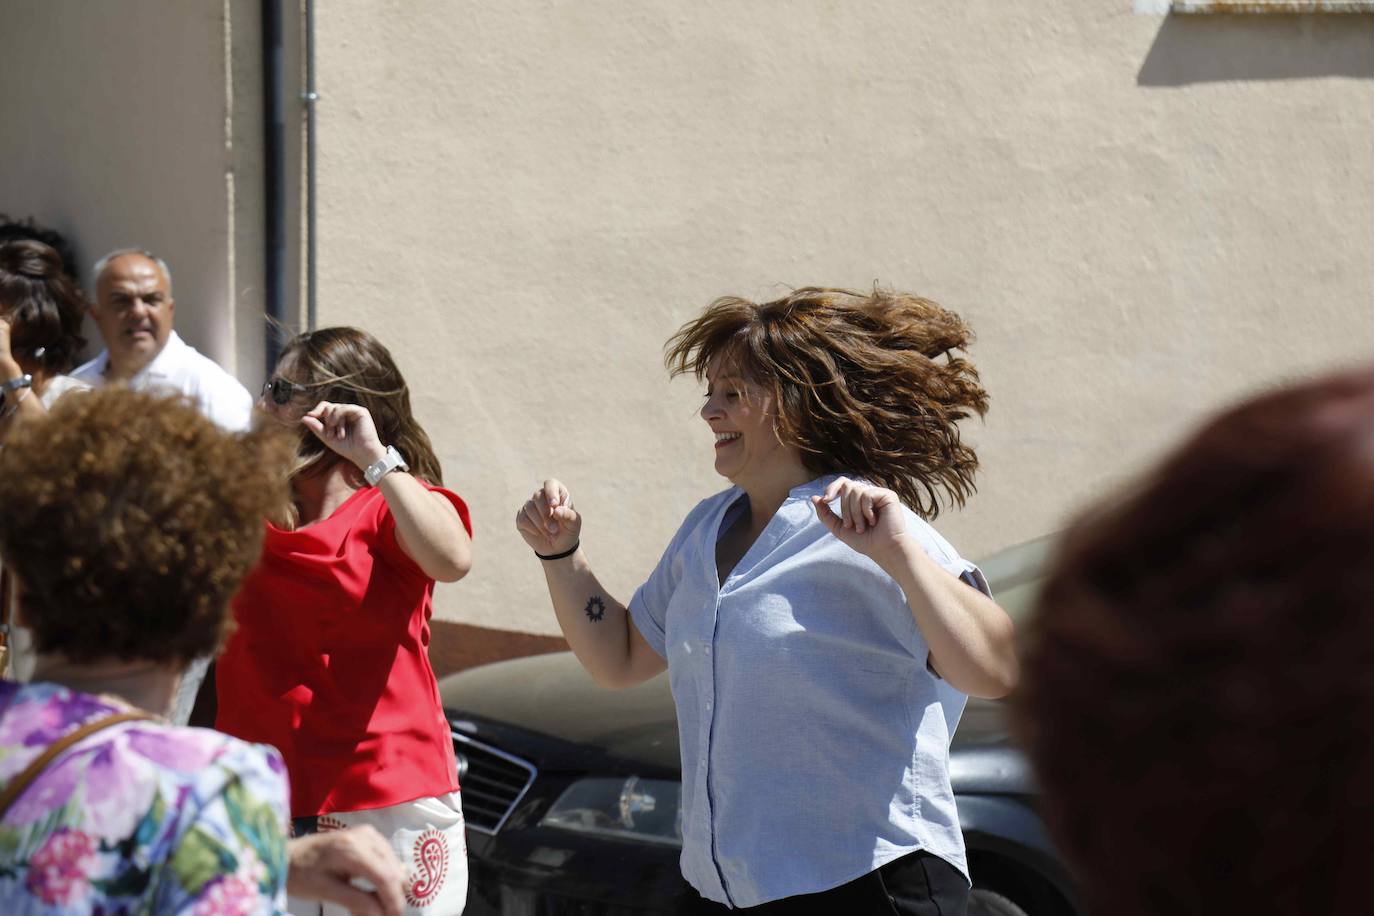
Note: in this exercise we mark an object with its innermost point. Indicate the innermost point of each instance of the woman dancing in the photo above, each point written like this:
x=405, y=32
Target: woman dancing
x=330, y=660
x=819, y=635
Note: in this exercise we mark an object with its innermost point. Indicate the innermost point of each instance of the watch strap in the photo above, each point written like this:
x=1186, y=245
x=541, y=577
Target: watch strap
x=391, y=461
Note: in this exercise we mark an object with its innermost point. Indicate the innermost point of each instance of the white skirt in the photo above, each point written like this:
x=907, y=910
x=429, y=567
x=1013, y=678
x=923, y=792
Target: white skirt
x=427, y=836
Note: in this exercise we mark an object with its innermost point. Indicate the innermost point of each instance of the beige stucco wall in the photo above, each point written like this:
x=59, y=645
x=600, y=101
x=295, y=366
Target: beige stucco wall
x=123, y=126
x=1141, y=217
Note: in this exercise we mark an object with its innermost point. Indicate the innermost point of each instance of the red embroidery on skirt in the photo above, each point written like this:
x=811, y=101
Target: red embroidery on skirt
x=431, y=867
x=324, y=823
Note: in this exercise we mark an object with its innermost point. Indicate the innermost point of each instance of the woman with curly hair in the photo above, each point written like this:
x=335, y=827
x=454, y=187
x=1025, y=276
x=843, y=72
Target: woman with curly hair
x=128, y=521
x=330, y=661
x=819, y=635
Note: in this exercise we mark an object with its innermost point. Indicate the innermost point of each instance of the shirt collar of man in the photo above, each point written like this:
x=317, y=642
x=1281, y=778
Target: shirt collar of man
x=162, y=366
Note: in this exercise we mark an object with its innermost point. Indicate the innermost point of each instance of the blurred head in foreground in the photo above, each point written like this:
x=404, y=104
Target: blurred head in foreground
x=129, y=520
x=1198, y=686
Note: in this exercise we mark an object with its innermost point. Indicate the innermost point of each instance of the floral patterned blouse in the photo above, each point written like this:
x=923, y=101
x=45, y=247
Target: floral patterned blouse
x=140, y=817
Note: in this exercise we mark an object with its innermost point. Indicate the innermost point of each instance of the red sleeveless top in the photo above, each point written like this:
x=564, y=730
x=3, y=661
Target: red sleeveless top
x=330, y=663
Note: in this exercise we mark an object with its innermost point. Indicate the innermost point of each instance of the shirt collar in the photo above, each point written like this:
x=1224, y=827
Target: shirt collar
x=166, y=361
x=812, y=487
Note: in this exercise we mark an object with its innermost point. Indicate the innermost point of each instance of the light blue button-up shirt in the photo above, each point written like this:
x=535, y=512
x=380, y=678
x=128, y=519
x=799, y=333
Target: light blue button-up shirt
x=815, y=740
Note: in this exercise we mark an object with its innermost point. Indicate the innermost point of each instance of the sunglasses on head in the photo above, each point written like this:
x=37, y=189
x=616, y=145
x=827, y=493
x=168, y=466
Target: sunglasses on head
x=282, y=391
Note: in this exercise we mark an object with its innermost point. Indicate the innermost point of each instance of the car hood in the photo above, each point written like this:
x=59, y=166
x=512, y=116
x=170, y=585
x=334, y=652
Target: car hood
x=553, y=695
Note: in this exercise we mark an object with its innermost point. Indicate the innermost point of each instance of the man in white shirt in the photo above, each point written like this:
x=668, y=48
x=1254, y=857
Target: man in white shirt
x=133, y=309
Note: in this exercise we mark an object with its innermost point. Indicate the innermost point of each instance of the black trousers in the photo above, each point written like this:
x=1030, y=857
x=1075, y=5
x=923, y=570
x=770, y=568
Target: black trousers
x=917, y=884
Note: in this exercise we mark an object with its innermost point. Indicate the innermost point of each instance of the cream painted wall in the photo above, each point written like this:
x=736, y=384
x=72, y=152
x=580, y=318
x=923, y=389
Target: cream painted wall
x=1142, y=218
x=121, y=128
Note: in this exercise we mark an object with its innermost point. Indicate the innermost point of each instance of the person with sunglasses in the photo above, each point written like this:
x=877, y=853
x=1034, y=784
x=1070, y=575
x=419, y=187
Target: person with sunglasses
x=329, y=663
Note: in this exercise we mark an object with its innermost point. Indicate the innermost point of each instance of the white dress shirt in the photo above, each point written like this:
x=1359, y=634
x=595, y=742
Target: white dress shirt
x=180, y=367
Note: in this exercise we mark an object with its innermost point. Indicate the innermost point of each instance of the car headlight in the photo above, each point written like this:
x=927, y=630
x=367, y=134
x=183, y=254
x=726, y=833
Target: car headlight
x=630, y=809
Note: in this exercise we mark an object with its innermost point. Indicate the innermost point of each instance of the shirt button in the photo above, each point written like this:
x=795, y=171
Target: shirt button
x=707, y=650
x=708, y=705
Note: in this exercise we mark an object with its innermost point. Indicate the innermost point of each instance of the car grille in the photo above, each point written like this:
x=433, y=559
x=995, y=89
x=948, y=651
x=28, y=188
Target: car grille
x=492, y=782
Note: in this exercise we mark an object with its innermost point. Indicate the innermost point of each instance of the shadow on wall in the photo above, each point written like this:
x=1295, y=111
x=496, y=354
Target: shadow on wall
x=1218, y=48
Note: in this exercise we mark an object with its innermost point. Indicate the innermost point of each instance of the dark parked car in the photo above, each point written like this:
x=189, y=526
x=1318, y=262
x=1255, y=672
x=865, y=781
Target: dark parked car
x=571, y=791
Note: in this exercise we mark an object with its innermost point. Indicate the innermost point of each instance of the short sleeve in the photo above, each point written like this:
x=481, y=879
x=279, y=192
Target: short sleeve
x=943, y=553
x=649, y=606
x=386, y=529
x=230, y=855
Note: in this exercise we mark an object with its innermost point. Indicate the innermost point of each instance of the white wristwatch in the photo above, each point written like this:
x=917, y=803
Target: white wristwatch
x=391, y=461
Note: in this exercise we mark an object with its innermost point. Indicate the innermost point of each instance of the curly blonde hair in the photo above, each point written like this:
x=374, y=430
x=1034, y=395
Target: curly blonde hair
x=130, y=519
x=866, y=384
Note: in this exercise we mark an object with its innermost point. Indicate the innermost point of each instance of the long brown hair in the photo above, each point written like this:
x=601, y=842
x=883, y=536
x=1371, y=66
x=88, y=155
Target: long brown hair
x=865, y=384
x=350, y=366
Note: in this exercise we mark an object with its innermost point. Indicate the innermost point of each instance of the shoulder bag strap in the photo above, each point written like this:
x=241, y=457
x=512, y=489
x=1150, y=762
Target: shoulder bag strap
x=19, y=783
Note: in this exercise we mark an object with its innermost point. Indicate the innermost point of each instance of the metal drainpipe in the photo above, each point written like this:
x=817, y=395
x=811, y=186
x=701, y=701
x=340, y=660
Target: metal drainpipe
x=274, y=177
x=310, y=97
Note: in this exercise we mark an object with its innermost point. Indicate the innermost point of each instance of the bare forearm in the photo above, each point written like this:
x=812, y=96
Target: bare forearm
x=596, y=625
x=427, y=527
x=969, y=635
x=20, y=404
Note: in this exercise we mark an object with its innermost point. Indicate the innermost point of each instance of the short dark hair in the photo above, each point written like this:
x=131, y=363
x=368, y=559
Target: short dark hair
x=13, y=229
x=1198, y=679
x=42, y=304
x=130, y=519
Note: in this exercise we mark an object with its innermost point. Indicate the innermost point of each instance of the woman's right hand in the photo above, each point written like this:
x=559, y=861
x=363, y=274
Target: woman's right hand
x=547, y=521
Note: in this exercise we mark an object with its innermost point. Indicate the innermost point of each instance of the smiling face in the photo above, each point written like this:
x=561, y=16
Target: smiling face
x=133, y=309
x=743, y=418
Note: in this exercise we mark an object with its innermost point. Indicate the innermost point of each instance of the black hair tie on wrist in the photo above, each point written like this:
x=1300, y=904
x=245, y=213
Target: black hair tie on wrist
x=558, y=556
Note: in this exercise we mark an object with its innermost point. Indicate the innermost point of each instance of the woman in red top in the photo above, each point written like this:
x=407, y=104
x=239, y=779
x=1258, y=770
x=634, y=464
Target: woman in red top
x=330, y=660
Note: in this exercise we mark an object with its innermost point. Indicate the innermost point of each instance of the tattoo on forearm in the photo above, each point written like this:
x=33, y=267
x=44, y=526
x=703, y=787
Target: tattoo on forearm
x=595, y=609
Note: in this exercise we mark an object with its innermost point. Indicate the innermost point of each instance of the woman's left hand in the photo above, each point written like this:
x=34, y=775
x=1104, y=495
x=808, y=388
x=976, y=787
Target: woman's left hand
x=347, y=429
x=870, y=519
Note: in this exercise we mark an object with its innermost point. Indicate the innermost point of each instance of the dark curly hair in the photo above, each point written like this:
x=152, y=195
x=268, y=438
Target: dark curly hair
x=867, y=384
x=43, y=305
x=1198, y=681
x=129, y=520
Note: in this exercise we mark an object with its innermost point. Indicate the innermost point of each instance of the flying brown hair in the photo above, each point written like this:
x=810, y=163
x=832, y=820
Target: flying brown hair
x=867, y=384
x=1198, y=681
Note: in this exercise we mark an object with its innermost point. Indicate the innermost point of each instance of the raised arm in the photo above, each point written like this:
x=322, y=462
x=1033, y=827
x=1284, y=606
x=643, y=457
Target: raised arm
x=969, y=635
x=598, y=627
x=19, y=403
x=427, y=526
